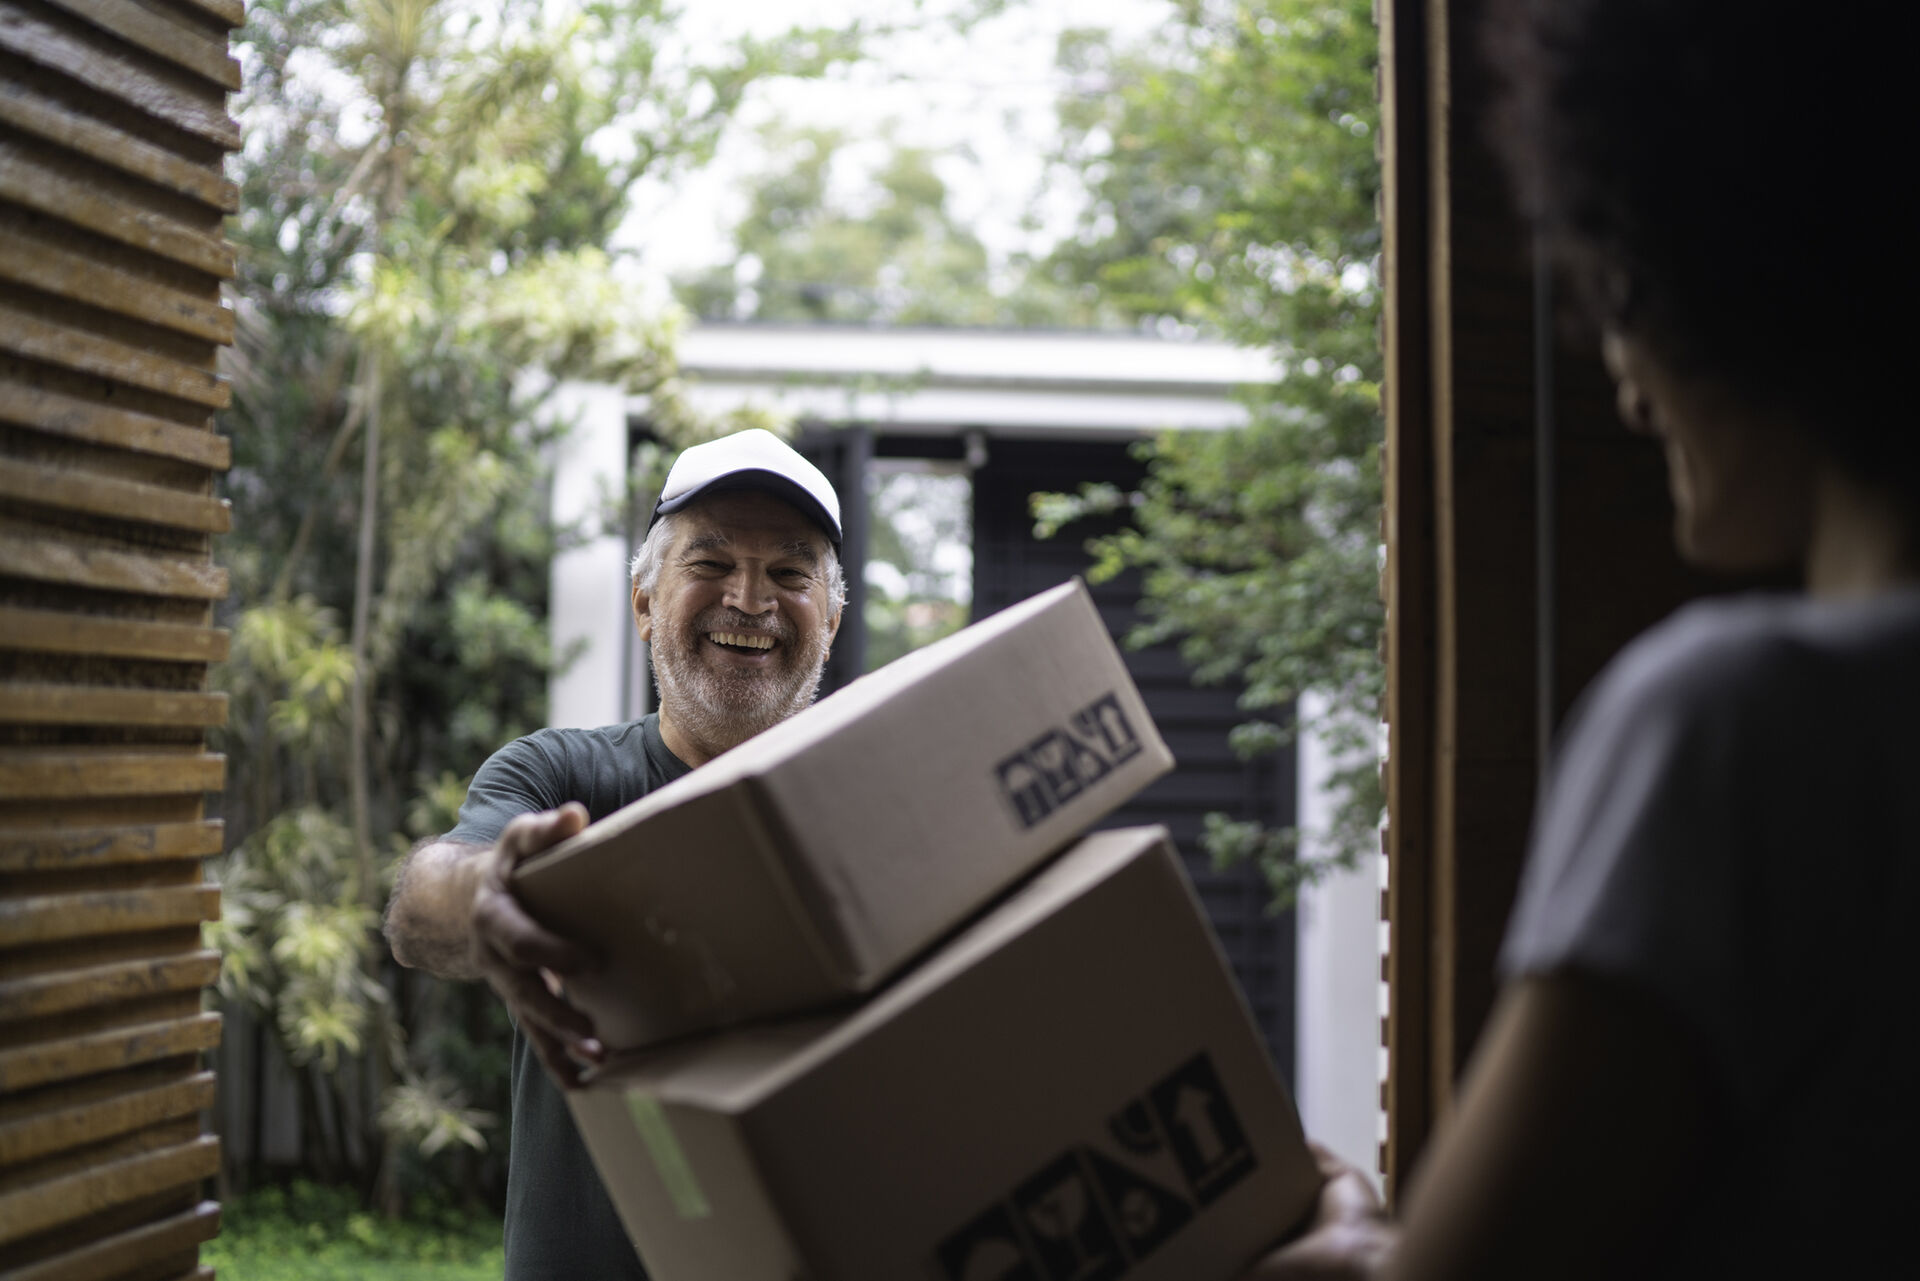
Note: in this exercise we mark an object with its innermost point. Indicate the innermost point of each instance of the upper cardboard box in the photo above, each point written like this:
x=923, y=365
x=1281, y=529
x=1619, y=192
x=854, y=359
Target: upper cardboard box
x=810, y=863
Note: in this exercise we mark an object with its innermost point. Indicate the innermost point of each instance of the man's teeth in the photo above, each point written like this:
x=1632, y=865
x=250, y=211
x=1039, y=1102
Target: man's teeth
x=742, y=639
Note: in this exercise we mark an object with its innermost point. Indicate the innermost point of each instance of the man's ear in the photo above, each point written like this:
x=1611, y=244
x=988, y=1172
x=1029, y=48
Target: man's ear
x=833, y=626
x=642, y=612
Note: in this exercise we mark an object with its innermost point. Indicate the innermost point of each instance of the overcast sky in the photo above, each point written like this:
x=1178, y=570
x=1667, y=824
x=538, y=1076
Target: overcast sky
x=984, y=99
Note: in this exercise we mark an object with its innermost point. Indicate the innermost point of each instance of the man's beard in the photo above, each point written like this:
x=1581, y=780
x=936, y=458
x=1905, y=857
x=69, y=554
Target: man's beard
x=720, y=707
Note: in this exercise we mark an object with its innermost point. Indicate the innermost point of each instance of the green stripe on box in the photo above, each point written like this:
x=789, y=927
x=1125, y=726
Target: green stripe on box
x=669, y=1158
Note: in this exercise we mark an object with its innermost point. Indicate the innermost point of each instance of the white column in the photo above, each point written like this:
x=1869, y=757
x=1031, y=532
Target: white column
x=588, y=583
x=1337, y=972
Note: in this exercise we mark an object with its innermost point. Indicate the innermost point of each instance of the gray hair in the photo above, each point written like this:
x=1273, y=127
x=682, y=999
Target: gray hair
x=644, y=569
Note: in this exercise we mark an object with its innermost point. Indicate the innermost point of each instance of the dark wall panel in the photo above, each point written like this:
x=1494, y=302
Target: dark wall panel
x=1009, y=565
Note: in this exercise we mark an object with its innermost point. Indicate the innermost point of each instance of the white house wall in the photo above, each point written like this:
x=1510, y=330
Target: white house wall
x=589, y=604
x=1337, y=970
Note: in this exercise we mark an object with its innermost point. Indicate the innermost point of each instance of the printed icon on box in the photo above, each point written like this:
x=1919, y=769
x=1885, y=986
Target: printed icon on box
x=1069, y=1233
x=989, y=1249
x=1062, y=763
x=1067, y=764
x=1200, y=1125
x=1024, y=789
x=1103, y=721
x=1145, y=1213
x=1089, y=1216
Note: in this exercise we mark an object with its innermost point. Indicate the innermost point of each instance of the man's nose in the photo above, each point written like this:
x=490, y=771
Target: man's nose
x=749, y=590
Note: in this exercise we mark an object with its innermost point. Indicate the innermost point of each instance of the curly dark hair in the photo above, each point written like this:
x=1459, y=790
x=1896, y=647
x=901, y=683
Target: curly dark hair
x=1722, y=178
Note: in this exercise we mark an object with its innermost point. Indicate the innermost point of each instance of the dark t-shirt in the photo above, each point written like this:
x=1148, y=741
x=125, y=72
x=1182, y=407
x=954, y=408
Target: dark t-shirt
x=1729, y=832
x=559, y=1221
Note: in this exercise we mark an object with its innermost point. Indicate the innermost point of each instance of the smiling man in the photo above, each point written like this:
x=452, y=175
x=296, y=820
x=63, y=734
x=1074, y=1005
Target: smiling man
x=738, y=588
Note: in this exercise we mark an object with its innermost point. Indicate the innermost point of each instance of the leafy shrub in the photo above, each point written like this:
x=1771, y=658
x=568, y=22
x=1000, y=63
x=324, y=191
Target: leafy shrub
x=316, y=1232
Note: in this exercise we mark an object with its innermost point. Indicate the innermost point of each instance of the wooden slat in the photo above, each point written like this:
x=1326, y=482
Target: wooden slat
x=38, y=703
x=52, y=561
x=41, y=1206
x=61, y=125
x=59, y=1129
x=230, y=12
x=39, y=265
x=143, y=28
x=39, y=339
x=71, y=489
x=51, y=631
x=128, y=78
x=88, y=420
x=23, y=1067
x=64, y=990
x=1406, y=201
x=58, y=775
x=53, y=918
x=43, y=849
x=111, y=254
x=60, y=633
x=27, y=182
x=115, y=1256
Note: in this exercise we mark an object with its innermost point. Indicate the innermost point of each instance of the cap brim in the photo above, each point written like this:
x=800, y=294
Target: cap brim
x=766, y=482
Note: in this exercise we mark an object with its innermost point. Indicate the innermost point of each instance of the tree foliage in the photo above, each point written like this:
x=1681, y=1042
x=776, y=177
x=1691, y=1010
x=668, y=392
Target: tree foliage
x=1231, y=178
x=827, y=240
x=428, y=190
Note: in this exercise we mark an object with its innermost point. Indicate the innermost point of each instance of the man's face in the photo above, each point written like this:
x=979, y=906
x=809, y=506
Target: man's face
x=740, y=621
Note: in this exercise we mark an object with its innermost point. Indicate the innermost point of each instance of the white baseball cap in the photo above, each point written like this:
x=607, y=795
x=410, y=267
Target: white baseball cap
x=751, y=459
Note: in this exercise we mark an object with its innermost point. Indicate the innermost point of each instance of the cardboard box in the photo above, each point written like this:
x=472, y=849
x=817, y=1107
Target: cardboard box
x=1072, y=1088
x=812, y=862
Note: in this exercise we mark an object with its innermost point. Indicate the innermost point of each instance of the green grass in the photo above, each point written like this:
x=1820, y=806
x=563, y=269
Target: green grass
x=308, y=1232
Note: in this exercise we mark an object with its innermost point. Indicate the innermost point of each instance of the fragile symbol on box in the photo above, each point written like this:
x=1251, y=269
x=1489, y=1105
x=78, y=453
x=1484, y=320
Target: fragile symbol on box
x=1060, y=764
x=1085, y=1216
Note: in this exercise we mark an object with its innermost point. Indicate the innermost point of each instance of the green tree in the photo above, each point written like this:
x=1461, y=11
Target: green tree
x=427, y=190
x=820, y=242
x=1231, y=178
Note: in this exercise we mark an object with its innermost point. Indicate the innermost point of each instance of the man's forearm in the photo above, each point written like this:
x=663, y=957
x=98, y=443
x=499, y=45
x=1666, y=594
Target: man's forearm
x=429, y=918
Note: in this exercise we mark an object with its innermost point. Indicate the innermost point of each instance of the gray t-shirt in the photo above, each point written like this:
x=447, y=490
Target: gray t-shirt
x=1731, y=829
x=559, y=1222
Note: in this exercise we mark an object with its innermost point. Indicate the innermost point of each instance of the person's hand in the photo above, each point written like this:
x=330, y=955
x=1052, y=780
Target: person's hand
x=511, y=950
x=1349, y=1235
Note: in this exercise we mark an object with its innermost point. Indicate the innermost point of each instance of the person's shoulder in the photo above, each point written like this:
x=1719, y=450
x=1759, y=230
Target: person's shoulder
x=1716, y=655
x=598, y=738
x=581, y=749
x=570, y=738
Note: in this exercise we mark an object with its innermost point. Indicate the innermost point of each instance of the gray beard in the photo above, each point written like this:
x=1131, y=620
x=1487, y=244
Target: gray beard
x=722, y=709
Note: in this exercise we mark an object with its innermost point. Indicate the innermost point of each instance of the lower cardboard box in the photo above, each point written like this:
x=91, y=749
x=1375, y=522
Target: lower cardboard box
x=1072, y=1089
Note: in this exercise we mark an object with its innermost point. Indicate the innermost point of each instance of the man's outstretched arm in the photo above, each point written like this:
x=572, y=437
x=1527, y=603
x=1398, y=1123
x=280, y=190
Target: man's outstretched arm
x=429, y=918
x=454, y=914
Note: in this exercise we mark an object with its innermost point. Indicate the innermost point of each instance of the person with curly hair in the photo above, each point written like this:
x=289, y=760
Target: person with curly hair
x=1693, y=1068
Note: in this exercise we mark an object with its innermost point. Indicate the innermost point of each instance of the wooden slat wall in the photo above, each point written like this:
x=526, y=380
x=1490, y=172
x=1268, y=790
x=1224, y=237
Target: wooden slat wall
x=113, y=128
x=1407, y=583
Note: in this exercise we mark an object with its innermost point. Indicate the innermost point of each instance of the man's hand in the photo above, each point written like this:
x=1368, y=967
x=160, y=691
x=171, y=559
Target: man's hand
x=515, y=954
x=1348, y=1237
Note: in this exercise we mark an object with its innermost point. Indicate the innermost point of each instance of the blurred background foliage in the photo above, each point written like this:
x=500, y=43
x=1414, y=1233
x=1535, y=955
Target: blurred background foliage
x=1231, y=177
x=428, y=192
x=431, y=193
